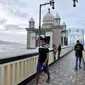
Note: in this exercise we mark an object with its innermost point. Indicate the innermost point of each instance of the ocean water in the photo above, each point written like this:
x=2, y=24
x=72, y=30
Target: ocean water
x=11, y=47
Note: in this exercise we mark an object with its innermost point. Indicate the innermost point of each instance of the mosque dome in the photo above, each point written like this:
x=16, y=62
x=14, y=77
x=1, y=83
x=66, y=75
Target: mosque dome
x=48, y=20
x=31, y=23
x=48, y=16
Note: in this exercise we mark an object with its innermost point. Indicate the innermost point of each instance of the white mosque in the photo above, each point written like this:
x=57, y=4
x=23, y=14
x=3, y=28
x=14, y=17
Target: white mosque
x=51, y=28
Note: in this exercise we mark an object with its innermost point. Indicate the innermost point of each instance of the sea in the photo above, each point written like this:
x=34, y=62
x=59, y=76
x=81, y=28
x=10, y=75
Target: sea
x=11, y=47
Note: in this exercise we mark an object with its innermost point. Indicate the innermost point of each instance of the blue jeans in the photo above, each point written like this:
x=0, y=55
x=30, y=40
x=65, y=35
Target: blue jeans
x=78, y=59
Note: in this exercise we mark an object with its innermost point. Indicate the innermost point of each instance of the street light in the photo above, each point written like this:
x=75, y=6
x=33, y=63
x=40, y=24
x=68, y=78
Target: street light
x=74, y=3
x=51, y=3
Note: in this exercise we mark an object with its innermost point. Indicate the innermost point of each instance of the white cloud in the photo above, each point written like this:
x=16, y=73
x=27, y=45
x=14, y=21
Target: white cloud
x=15, y=15
x=14, y=36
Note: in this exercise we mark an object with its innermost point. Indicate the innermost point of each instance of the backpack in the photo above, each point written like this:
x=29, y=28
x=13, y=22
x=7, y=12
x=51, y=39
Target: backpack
x=78, y=47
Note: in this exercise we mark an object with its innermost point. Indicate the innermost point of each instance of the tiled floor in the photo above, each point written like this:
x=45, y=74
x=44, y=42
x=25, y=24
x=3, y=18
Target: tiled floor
x=63, y=73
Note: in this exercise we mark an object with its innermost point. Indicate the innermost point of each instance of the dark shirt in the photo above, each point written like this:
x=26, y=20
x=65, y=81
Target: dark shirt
x=43, y=54
x=78, y=52
x=59, y=48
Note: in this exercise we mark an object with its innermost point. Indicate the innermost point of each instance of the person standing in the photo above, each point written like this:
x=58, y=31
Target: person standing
x=59, y=51
x=43, y=60
x=78, y=53
x=54, y=51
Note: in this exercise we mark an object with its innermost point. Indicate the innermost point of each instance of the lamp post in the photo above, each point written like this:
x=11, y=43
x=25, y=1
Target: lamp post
x=51, y=3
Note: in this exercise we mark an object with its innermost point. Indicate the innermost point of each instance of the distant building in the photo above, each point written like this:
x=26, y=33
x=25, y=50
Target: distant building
x=51, y=28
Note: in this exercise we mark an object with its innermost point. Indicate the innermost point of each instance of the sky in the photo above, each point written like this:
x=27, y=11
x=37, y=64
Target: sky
x=15, y=15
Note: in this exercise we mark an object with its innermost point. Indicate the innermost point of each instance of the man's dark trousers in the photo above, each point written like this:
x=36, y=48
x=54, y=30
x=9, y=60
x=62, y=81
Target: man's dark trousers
x=78, y=58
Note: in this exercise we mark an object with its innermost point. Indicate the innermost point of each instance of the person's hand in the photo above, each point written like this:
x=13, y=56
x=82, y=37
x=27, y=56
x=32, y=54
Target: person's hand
x=44, y=64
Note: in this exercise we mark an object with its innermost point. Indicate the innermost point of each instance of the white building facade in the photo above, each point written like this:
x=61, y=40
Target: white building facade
x=51, y=27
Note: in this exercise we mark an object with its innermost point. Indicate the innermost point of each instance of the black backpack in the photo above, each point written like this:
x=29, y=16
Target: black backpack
x=78, y=47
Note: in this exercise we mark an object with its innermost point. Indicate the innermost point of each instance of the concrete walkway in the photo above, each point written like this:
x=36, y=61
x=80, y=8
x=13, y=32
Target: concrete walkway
x=63, y=73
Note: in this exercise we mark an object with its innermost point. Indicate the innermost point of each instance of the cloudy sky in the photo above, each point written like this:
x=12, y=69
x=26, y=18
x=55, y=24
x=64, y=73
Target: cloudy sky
x=15, y=15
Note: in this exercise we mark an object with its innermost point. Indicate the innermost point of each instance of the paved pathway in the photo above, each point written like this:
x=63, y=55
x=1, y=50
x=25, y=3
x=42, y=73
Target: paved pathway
x=63, y=73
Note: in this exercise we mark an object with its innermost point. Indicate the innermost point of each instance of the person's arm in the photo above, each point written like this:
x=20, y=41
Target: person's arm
x=82, y=47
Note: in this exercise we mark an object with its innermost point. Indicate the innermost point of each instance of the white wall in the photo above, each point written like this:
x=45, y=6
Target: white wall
x=50, y=34
x=31, y=40
x=56, y=37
